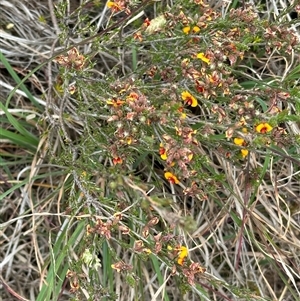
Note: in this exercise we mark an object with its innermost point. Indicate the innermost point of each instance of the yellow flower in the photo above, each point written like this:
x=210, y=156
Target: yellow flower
x=187, y=29
x=203, y=58
x=244, y=152
x=263, y=128
x=239, y=141
x=183, y=253
x=190, y=156
x=113, y=6
x=171, y=178
x=129, y=140
x=196, y=29
x=189, y=99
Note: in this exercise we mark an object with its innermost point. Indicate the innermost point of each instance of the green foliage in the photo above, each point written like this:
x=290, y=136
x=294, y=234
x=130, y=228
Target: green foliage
x=169, y=134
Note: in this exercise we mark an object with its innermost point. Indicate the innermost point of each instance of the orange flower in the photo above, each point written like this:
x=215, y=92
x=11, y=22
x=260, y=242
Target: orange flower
x=147, y=22
x=162, y=152
x=132, y=96
x=171, y=178
x=115, y=102
x=117, y=160
x=189, y=99
x=203, y=58
x=263, y=128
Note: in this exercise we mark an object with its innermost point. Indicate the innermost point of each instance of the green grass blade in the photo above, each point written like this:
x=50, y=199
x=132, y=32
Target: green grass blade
x=59, y=266
x=14, y=122
x=10, y=190
x=160, y=278
x=16, y=78
x=26, y=142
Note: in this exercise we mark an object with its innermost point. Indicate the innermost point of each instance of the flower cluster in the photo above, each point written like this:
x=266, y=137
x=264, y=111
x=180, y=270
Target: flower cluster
x=121, y=266
x=261, y=128
x=74, y=281
x=130, y=112
x=72, y=60
x=192, y=270
x=104, y=228
x=280, y=38
x=241, y=142
x=177, y=155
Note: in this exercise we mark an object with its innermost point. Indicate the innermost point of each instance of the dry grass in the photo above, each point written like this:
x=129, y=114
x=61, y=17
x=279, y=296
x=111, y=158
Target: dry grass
x=246, y=234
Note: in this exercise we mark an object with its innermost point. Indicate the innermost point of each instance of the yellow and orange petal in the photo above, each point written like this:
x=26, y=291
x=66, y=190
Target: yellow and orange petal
x=171, y=178
x=263, y=128
x=132, y=96
x=115, y=103
x=183, y=253
x=239, y=141
x=203, y=58
x=162, y=152
x=189, y=99
x=244, y=153
x=113, y=6
x=182, y=114
x=117, y=160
